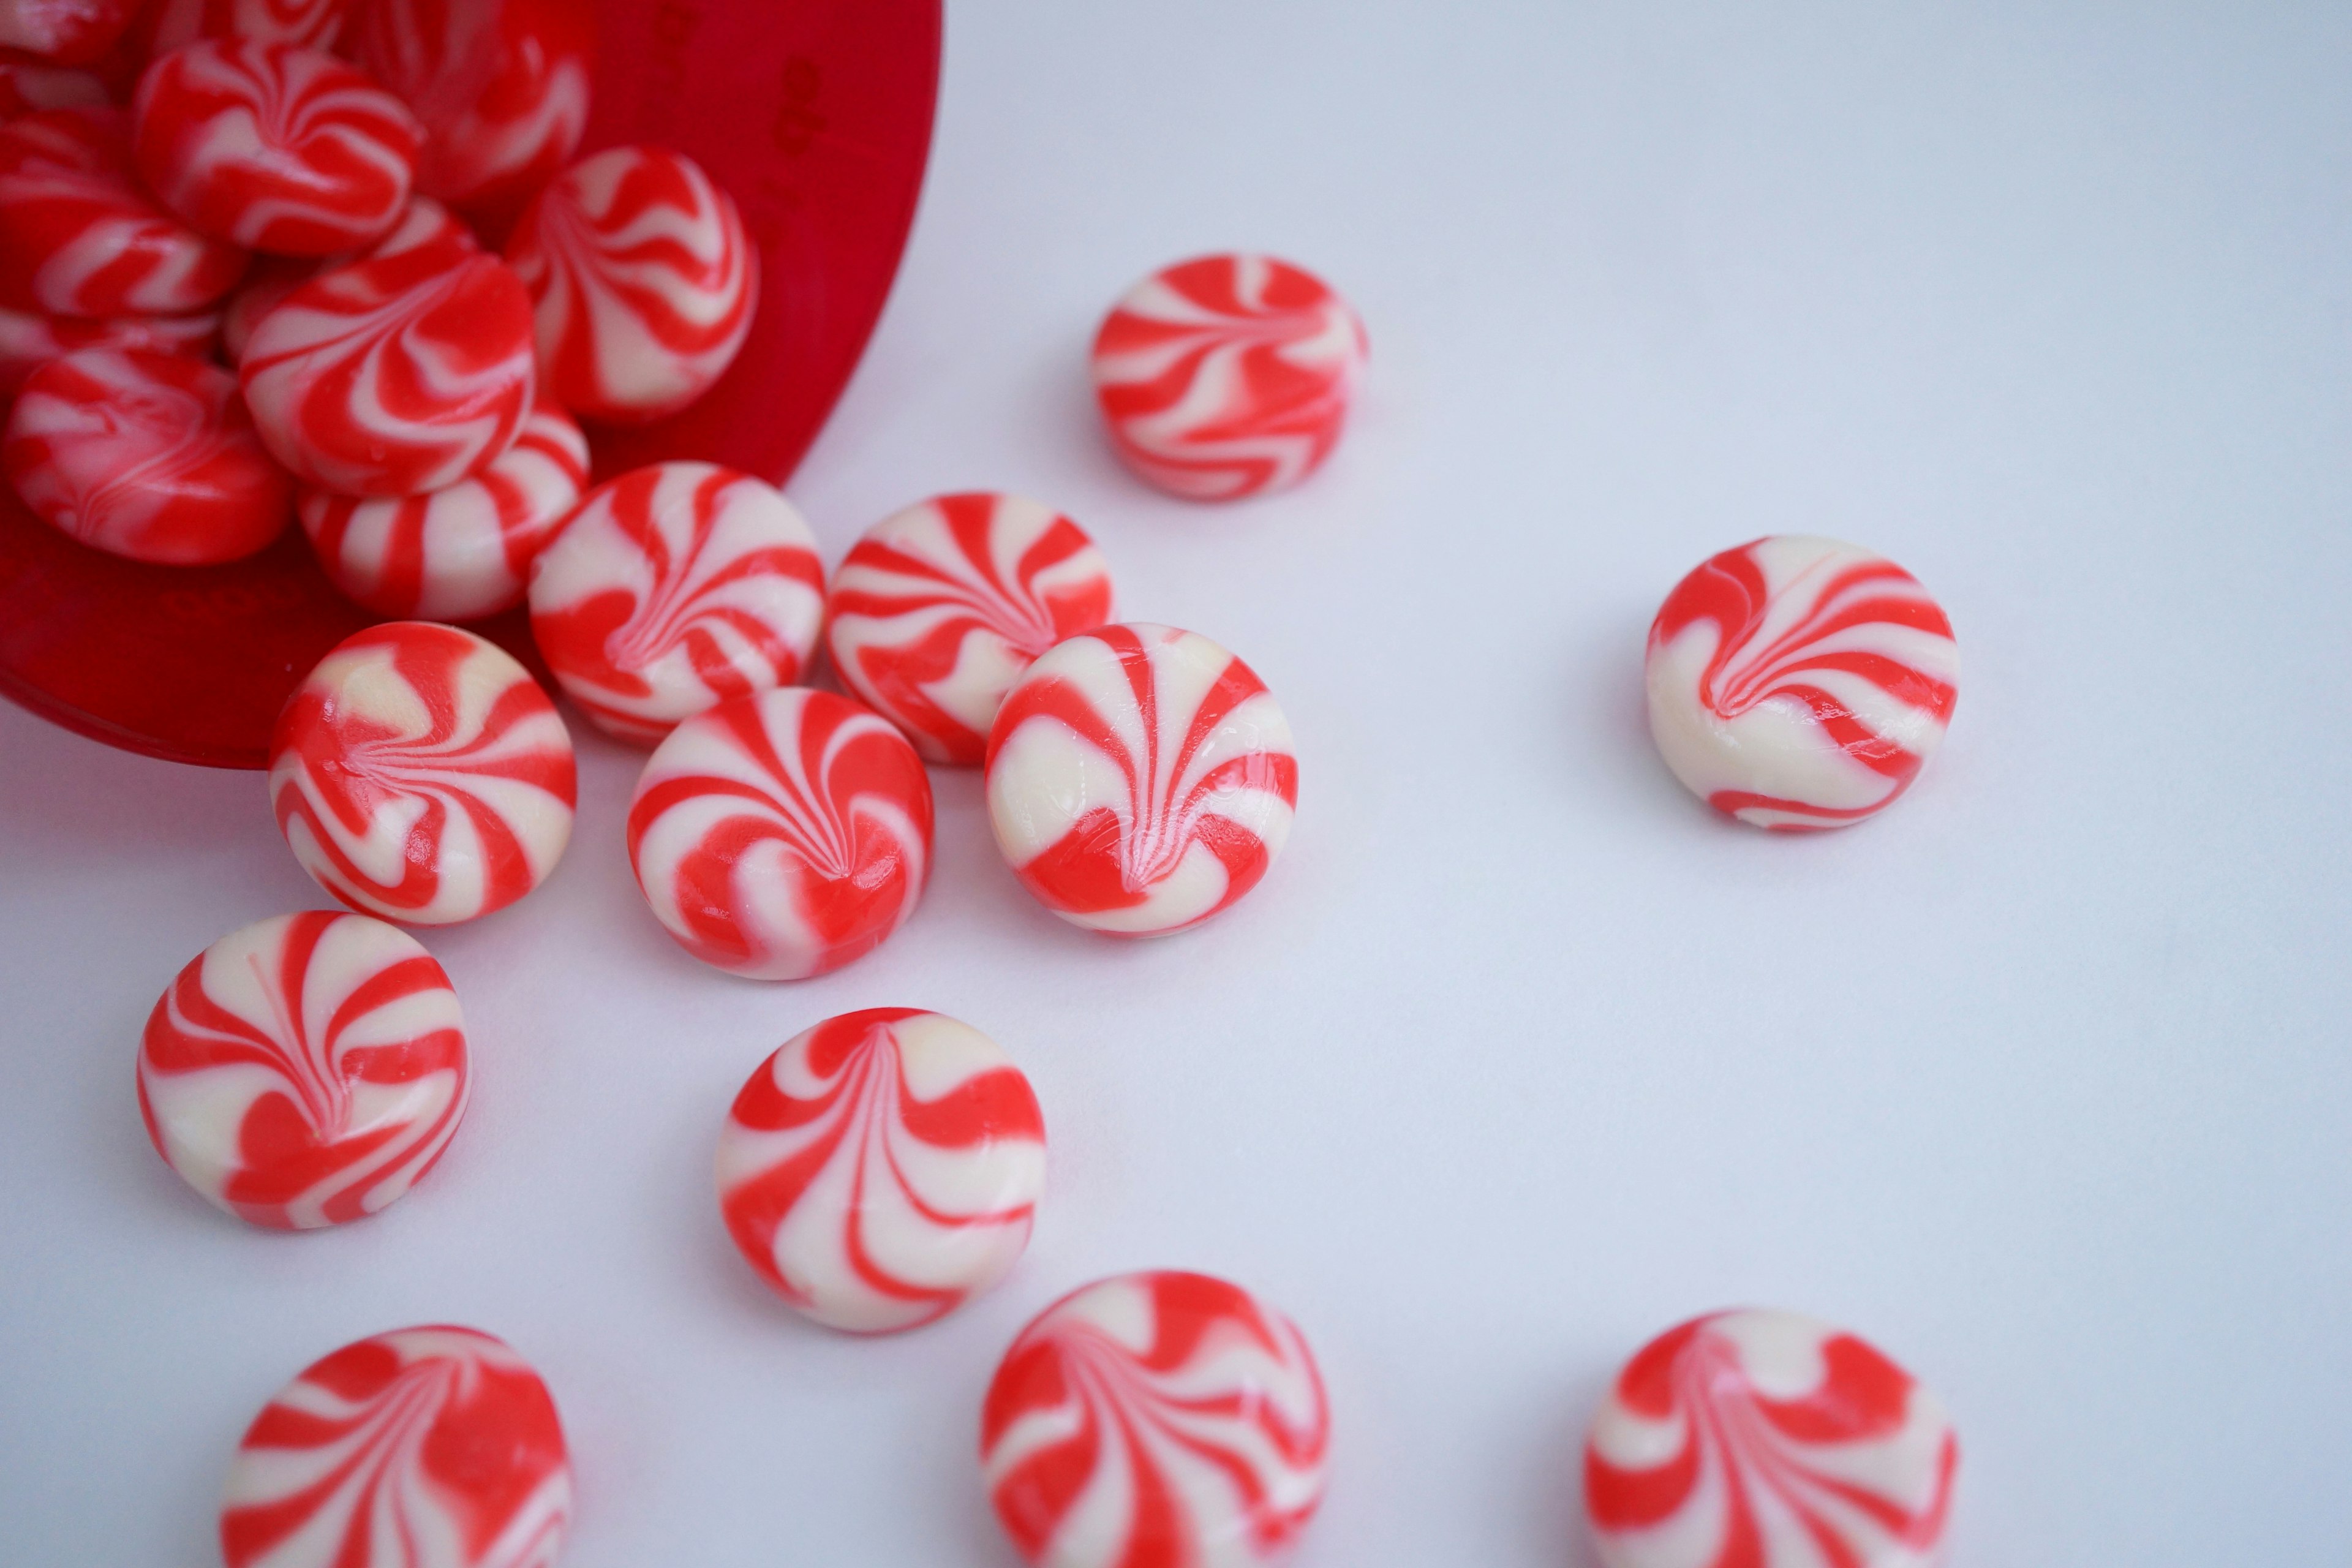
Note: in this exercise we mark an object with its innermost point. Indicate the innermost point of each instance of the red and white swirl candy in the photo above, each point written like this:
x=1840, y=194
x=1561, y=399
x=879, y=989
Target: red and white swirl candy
x=501, y=87
x=69, y=32
x=427, y=227
x=643, y=280
x=273, y=146
x=673, y=587
x=939, y=608
x=306, y=1070
x=1141, y=779
x=1158, y=1418
x=166, y=25
x=1764, y=1439
x=427, y=1448
x=146, y=455
x=80, y=237
x=883, y=1168
x=394, y=375
x=1228, y=375
x=460, y=553
x=782, y=834
x=419, y=773
x=1799, y=683
x=28, y=341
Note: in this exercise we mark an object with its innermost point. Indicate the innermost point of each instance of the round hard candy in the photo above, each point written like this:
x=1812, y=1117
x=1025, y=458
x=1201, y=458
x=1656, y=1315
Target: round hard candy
x=28, y=341
x=939, y=608
x=1768, y=1439
x=394, y=375
x=427, y=227
x=460, y=553
x=419, y=773
x=501, y=87
x=305, y=1072
x=1799, y=683
x=166, y=25
x=643, y=280
x=883, y=1168
x=274, y=146
x=29, y=84
x=69, y=32
x=1228, y=375
x=1159, y=1417
x=145, y=454
x=427, y=1448
x=1141, y=779
x=80, y=237
x=782, y=834
x=673, y=587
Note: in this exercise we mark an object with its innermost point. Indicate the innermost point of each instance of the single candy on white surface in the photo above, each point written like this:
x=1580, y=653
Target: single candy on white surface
x=463, y=553
x=883, y=1168
x=145, y=455
x=1228, y=375
x=436, y=1446
x=1141, y=779
x=939, y=607
x=1157, y=1418
x=501, y=85
x=306, y=1070
x=1765, y=1439
x=419, y=773
x=783, y=834
x=274, y=146
x=673, y=587
x=643, y=280
x=28, y=341
x=1799, y=683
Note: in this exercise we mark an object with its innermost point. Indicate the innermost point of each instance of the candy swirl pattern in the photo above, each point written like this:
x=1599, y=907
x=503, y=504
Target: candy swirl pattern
x=427, y=1448
x=501, y=85
x=673, y=587
x=782, y=834
x=642, y=279
x=1228, y=375
x=939, y=608
x=396, y=374
x=1157, y=1420
x=306, y=1070
x=460, y=553
x=419, y=773
x=80, y=237
x=1765, y=1439
x=883, y=1168
x=1799, y=683
x=145, y=454
x=30, y=341
x=166, y=25
x=1141, y=779
x=273, y=146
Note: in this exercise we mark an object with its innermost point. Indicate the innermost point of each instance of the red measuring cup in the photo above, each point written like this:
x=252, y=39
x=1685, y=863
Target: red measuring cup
x=815, y=115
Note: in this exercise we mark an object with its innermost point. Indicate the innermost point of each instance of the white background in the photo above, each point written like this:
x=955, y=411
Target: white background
x=2041, y=1080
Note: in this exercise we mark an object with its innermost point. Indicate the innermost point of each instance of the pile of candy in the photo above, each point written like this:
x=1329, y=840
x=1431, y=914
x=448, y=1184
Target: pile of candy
x=318, y=219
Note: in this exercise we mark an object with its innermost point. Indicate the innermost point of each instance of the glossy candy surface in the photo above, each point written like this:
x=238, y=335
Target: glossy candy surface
x=674, y=587
x=501, y=87
x=419, y=773
x=147, y=455
x=459, y=554
x=394, y=375
x=1228, y=375
x=782, y=834
x=1799, y=683
x=1141, y=779
x=80, y=237
x=273, y=146
x=1156, y=1420
x=29, y=341
x=643, y=280
x=882, y=1168
x=305, y=1070
x=427, y=1448
x=1764, y=1439
x=939, y=607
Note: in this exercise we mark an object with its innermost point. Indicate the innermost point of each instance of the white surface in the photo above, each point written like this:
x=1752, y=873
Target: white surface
x=2040, y=1080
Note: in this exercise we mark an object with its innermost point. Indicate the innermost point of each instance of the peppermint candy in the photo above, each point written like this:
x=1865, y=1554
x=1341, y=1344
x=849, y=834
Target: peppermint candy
x=28, y=341
x=166, y=25
x=69, y=32
x=306, y=1070
x=939, y=608
x=501, y=87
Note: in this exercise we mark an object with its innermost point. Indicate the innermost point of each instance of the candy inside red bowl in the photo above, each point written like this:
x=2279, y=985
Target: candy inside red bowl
x=816, y=116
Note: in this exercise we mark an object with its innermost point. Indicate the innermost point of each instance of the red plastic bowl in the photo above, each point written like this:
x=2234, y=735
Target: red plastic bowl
x=815, y=115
